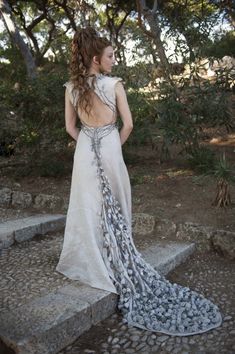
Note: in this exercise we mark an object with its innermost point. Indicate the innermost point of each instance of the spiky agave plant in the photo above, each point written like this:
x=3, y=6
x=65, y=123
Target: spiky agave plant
x=224, y=175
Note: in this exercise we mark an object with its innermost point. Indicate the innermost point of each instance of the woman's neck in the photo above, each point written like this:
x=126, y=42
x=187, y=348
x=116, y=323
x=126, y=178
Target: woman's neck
x=94, y=72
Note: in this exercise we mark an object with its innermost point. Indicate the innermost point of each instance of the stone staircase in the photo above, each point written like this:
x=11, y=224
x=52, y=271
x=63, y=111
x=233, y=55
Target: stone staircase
x=26, y=228
x=52, y=321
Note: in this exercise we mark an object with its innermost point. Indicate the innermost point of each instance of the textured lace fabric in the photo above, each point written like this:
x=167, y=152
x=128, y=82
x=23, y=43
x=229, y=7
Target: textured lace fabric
x=146, y=299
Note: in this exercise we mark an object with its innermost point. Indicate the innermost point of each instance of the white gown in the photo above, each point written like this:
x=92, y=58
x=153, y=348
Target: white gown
x=98, y=247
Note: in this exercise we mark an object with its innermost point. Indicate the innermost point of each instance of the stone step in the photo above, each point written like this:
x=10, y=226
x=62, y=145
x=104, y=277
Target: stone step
x=26, y=228
x=51, y=322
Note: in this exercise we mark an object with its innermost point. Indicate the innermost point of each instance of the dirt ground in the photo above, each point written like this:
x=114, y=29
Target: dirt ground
x=169, y=189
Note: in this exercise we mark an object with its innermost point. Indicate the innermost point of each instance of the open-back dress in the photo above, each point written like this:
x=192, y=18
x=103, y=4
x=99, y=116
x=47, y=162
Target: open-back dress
x=98, y=247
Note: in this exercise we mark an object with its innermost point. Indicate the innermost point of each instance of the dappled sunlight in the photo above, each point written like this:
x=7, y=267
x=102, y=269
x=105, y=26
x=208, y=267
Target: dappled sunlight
x=176, y=173
x=228, y=140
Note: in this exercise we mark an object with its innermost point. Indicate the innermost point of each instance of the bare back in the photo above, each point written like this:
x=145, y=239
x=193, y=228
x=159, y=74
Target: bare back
x=103, y=102
x=99, y=115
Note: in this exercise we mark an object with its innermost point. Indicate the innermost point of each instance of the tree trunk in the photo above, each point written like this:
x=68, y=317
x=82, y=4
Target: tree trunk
x=17, y=39
x=151, y=18
x=156, y=32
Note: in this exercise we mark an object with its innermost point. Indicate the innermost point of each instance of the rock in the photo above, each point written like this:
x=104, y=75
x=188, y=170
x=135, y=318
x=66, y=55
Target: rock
x=47, y=201
x=143, y=223
x=6, y=238
x=5, y=196
x=224, y=242
x=165, y=227
x=115, y=340
x=201, y=235
x=21, y=199
x=162, y=338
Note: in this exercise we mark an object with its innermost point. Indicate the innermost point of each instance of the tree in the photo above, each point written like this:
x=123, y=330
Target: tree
x=151, y=17
x=17, y=39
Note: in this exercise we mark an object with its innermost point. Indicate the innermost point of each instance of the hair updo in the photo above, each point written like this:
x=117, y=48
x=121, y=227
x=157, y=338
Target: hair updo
x=86, y=44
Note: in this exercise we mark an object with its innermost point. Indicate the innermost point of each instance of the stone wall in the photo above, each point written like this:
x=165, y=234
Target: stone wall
x=205, y=237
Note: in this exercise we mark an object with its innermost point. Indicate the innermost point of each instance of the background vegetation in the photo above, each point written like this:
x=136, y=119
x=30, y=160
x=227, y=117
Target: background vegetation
x=175, y=56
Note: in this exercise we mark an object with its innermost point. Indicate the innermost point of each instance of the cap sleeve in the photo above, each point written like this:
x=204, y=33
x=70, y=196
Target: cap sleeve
x=73, y=93
x=105, y=89
x=116, y=79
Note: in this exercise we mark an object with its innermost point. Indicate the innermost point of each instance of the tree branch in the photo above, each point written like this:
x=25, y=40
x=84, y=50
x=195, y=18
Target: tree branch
x=140, y=4
x=155, y=6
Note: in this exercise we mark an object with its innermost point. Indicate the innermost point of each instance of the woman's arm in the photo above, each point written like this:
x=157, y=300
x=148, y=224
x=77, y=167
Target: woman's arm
x=124, y=111
x=70, y=117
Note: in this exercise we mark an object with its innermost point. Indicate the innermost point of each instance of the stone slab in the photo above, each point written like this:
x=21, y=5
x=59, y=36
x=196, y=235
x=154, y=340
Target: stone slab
x=224, y=243
x=53, y=224
x=26, y=228
x=6, y=239
x=164, y=257
x=27, y=232
x=45, y=325
x=53, y=321
x=102, y=303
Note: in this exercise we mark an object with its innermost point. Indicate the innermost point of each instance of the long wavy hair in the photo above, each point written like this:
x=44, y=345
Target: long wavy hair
x=86, y=44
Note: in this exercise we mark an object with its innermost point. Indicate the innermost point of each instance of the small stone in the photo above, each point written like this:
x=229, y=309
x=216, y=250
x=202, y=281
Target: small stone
x=109, y=339
x=128, y=344
x=115, y=340
x=123, y=328
x=150, y=342
x=130, y=351
x=116, y=346
x=178, y=340
x=169, y=348
x=227, y=318
x=154, y=349
x=162, y=338
x=144, y=338
x=104, y=345
x=123, y=340
x=134, y=338
x=141, y=346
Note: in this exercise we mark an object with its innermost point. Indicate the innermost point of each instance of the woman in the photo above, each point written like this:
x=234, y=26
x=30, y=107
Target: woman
x=98, y=247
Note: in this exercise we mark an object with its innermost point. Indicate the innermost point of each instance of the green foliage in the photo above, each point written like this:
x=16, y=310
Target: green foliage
x=180, y=112
x=209, y=165
x=222, y=170
x=141, y=101
x=144, y=114
x=202, y=160
x=137, y=179
x=136, y=76
x=221, y=46
x=175, y=123
x=52, y=165
x=184, y=113
x=38, y=110
x=13, y=67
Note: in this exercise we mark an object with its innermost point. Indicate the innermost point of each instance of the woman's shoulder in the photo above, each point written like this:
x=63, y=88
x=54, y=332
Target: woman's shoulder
x=110, y=80
x=69, y=85
x=73, y=94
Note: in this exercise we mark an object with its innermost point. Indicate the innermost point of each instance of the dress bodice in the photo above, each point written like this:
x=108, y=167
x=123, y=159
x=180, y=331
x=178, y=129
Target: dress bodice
x=103, y=86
